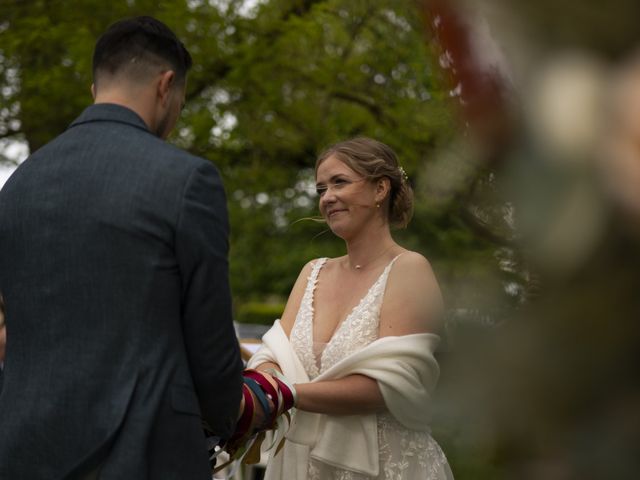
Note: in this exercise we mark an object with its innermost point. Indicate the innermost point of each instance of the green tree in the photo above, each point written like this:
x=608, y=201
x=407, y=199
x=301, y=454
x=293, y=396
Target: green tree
x=271, y=86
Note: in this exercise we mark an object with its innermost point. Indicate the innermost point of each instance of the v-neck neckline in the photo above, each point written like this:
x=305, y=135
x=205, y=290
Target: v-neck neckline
x=346, y=319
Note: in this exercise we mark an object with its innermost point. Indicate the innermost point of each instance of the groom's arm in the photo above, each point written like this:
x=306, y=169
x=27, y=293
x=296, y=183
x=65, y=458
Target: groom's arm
x=202, y=251
x=3, y=343
x=3, y=333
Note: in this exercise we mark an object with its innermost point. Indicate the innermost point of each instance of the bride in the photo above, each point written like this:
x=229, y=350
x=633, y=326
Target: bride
x=358, y=334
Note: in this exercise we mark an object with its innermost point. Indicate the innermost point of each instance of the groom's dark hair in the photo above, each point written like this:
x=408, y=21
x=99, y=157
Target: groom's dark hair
x=139, y=47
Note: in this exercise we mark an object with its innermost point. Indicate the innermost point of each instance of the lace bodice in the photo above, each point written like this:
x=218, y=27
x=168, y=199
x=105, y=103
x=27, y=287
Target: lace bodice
x=403, y=454
x=356, y=331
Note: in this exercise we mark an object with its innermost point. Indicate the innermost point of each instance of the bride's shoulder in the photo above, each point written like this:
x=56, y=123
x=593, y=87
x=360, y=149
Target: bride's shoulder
x=413, y=300
x=413, y=261
x=311, y=264
x=328, y=263
x=308, y=267
x=413, y=276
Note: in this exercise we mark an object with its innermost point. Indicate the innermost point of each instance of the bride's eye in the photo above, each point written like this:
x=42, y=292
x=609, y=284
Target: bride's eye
x=336, y=184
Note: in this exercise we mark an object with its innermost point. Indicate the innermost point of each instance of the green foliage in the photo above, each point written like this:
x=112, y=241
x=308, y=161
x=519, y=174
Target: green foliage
x=259, y=313
x=269, y=89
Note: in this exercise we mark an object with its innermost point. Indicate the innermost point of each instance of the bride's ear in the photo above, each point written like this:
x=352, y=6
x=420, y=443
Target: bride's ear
x=383, y=187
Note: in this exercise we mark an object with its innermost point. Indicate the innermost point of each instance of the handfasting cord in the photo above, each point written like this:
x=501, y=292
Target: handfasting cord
x=260, y=394
x=278, y=390
x=276, y=396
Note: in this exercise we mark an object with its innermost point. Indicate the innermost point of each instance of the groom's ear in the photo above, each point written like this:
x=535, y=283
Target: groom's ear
x=93, y=90
x=165, y=82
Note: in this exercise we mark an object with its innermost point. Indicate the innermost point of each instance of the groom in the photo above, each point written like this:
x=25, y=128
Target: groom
x=113, y=268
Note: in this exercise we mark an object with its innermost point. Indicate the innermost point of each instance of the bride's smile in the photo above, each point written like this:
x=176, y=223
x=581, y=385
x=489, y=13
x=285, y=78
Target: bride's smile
x=347, y=200
x=335, y=211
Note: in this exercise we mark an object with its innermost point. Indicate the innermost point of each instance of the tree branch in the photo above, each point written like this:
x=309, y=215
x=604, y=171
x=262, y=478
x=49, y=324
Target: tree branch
x=368, y=104
x=299, y=10
x=355, y=31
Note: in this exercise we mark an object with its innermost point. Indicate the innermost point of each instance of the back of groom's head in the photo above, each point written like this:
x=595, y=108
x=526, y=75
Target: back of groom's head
x=137, y=49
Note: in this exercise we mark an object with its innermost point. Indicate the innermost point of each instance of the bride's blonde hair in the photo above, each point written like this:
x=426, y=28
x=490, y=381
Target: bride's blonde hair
x=373, y=159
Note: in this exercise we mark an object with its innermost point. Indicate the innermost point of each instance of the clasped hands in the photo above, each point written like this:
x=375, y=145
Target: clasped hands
x=265, y=398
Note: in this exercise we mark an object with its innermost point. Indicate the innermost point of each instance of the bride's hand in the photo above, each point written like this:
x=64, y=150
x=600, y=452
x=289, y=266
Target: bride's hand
x=269, y=367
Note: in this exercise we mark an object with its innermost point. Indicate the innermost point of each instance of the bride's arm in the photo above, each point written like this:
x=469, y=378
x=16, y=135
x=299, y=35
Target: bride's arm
x=290, y=311
x=412, y=301
x=351, y=395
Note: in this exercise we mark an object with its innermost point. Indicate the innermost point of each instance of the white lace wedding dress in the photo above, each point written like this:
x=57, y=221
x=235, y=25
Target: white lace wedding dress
x=403, y=454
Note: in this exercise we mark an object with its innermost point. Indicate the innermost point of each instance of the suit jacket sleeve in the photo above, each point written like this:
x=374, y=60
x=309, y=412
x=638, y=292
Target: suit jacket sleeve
x=212, y=348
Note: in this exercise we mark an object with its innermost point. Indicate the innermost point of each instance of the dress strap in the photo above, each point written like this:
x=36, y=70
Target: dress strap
x=312, y=280
x=315, y=271
x=394, y=259
x=381, y=283
x=387, y=269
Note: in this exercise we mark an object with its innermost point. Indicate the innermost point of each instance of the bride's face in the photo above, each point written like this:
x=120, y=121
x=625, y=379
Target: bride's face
x=347, y=199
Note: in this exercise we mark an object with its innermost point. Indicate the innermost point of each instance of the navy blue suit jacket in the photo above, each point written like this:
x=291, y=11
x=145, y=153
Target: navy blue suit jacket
x=114, y=270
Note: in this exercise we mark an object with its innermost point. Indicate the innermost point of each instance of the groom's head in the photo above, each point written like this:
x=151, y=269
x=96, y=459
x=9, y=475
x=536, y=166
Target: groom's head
x=141, y=58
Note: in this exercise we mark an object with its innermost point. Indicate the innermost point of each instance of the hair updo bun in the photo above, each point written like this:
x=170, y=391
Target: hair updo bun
x=373, y=160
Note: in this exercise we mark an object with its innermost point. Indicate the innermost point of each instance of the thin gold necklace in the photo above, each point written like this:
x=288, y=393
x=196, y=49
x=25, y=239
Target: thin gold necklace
x=361, y=266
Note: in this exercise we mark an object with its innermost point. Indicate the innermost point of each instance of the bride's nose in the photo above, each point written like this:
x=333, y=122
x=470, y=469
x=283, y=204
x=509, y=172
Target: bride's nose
x=327, y=200
x=328, y=197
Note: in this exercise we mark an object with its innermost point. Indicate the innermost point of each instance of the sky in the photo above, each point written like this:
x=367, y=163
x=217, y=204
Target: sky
x=17, y=151
x=5, y=173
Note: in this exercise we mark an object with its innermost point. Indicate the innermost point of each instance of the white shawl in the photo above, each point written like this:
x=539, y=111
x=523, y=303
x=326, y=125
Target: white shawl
x=407, y=374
